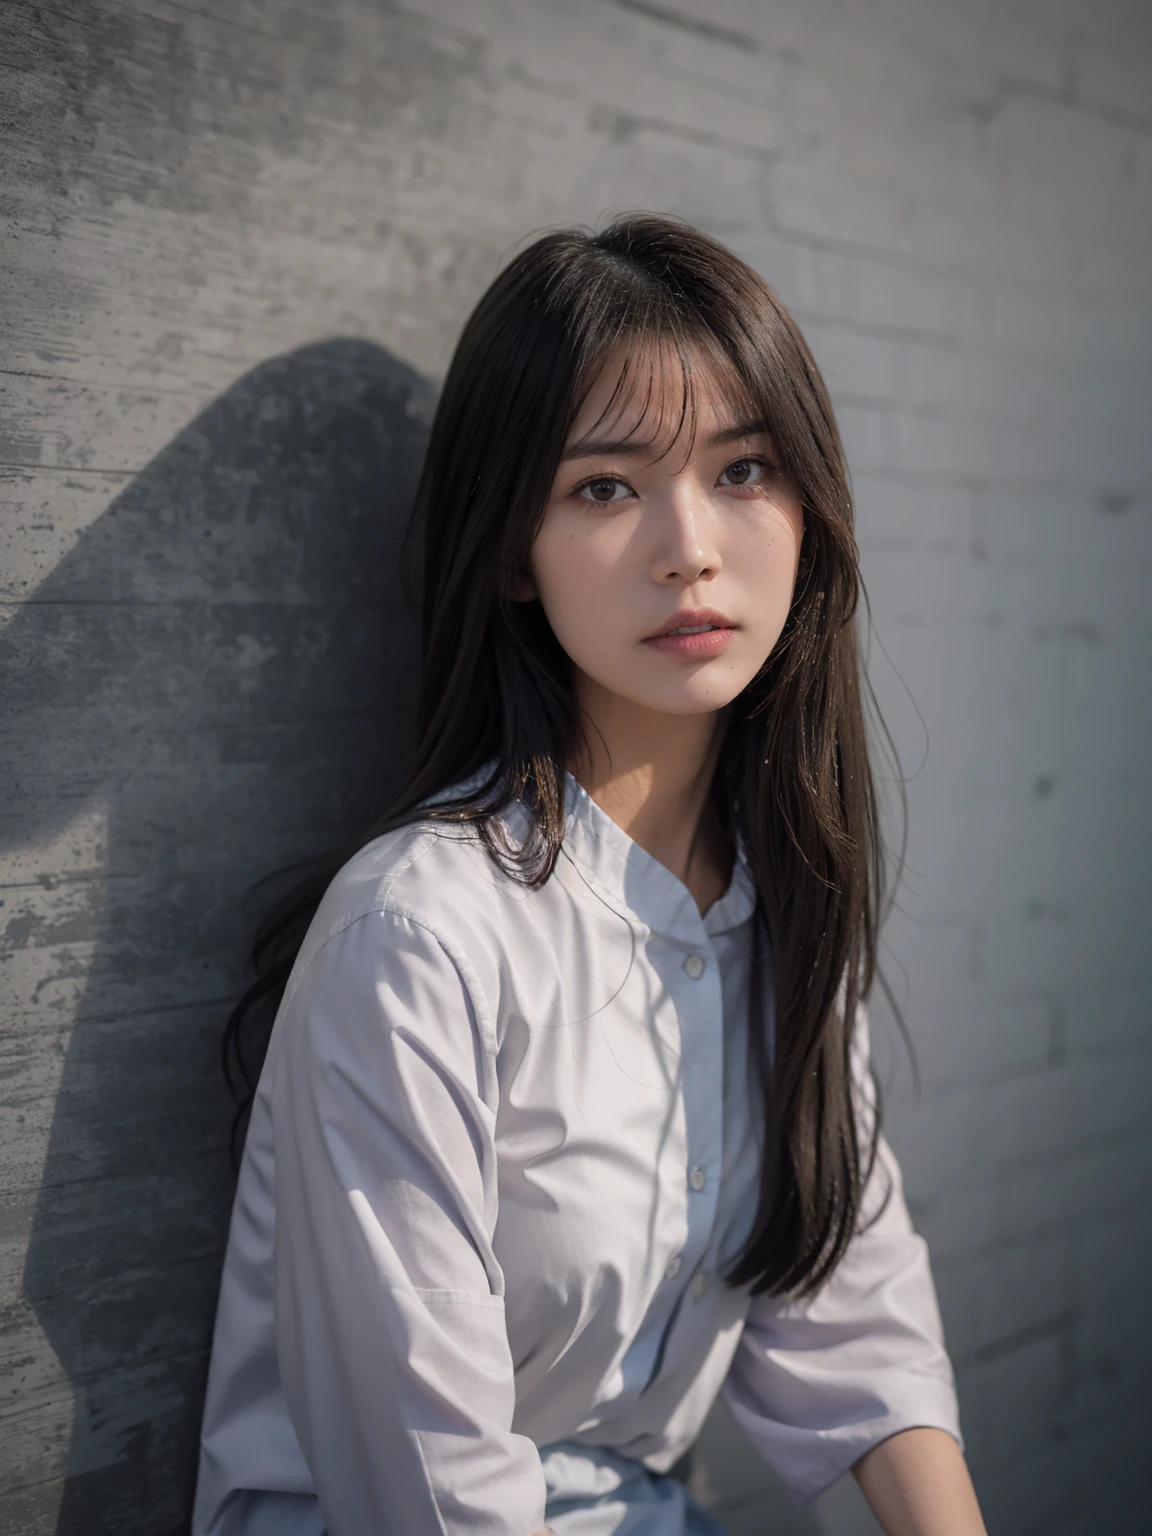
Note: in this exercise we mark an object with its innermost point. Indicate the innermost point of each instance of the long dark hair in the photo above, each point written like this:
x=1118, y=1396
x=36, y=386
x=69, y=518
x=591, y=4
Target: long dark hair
x=794, y=774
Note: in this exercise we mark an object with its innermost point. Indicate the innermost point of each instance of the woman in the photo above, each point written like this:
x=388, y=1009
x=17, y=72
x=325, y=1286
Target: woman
x=565, y=1125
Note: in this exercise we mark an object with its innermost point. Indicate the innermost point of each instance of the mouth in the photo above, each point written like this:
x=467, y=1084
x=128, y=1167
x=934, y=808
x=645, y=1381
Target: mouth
x=693, y=635
x=696, y=621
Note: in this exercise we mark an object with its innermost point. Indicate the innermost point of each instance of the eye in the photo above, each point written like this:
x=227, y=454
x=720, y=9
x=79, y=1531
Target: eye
x=602, y=488
x=749, y=471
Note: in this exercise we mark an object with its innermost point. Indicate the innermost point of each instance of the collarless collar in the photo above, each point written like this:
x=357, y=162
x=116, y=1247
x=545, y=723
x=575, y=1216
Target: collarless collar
x=630, y=879
x=628, y=876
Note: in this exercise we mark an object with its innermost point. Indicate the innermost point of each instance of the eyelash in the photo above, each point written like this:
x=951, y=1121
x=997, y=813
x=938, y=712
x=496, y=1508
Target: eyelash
x=747, y=458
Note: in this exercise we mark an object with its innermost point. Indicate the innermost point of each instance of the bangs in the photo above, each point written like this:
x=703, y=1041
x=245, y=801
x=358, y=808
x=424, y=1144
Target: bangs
x=662, y=376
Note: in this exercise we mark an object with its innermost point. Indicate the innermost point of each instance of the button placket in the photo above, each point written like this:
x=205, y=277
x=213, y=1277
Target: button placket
x=701, y=1034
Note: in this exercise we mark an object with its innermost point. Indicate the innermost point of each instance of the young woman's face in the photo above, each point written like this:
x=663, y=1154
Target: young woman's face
x=667, y=578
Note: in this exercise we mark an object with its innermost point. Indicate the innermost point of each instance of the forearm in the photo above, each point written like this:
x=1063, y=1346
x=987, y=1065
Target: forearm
x=917, y=1484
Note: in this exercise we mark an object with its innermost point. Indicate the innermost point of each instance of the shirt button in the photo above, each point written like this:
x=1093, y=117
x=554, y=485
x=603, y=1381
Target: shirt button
x=672, y=1268
x=696, y=1178
x=694, y=965
x=699, y=1284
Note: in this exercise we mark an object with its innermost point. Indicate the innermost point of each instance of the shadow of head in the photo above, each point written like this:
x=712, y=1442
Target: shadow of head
x=218, y=680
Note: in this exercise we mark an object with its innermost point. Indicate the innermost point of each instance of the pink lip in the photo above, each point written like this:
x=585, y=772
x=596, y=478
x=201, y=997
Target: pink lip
x=710, y=642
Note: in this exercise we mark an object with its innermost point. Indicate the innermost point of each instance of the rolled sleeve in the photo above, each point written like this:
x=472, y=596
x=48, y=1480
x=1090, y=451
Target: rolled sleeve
x=817, y=1383
x=389, y=1314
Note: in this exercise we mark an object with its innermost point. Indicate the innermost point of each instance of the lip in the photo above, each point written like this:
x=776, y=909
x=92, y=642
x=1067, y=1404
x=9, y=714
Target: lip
x=710, y=642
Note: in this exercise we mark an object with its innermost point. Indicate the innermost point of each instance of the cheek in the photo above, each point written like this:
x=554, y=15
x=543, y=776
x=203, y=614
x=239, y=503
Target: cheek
x=767, y=555
x=573, y=571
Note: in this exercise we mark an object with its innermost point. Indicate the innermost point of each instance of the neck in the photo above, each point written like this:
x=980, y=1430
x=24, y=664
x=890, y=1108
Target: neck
x=652, y=774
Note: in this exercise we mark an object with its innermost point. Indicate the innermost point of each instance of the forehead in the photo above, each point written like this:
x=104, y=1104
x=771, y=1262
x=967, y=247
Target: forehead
x=651, y=393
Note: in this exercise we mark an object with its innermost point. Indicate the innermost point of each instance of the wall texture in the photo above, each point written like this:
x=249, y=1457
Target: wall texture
x=238, y=241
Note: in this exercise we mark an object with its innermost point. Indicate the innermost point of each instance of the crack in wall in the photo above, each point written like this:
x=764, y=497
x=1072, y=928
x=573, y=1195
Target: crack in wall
x=988, y=108
x=694, y=25
x=623, y=126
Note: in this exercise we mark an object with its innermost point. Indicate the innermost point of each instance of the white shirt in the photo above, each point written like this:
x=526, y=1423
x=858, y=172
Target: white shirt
x=503, y=1144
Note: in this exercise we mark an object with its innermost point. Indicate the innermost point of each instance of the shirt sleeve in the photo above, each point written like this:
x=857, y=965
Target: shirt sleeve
x=816, y=1383
x=390, y=1330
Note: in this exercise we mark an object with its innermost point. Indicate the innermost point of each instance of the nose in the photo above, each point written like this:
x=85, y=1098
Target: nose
x=686, y=548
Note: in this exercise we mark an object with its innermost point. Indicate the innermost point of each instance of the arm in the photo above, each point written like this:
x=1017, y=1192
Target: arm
x=917, y=1484
x=390, y=1332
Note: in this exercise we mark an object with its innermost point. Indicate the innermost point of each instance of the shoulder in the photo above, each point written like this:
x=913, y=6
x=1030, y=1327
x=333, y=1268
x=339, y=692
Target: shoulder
x=435, y=876
x=414, y=917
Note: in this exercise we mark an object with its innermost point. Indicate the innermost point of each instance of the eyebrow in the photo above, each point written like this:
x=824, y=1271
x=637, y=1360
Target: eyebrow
x=632, y=448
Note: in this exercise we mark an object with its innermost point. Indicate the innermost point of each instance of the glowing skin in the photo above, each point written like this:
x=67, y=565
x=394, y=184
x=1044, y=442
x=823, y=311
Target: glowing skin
x=648, y=526
x=632, y=537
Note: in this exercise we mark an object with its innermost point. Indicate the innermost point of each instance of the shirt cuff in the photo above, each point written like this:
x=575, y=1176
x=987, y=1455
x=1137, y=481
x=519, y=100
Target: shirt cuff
x=808, y=1461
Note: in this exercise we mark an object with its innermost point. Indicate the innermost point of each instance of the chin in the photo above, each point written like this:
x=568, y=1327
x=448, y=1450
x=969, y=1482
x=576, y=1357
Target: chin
x=690, y=701
x=698, y=694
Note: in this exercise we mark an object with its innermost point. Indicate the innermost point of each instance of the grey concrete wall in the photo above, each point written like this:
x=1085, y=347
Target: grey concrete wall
x=238, y=241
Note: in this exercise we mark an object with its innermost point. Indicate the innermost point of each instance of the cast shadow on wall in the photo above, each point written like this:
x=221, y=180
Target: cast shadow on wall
x=225, y=663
